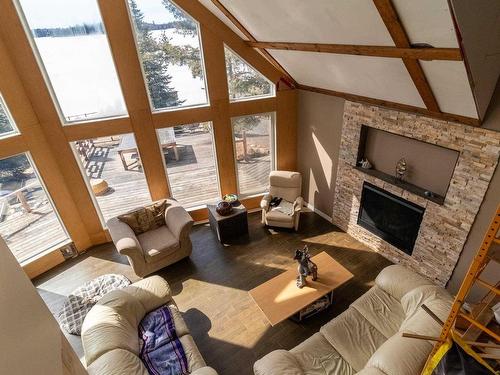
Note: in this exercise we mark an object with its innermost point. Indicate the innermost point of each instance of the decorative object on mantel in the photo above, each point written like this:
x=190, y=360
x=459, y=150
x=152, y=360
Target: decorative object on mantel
x=429, y=194
x=306, y=266
x=224, y=208
x=365, y=164
x=401, y=169
x=231, y=199
x=436, y=198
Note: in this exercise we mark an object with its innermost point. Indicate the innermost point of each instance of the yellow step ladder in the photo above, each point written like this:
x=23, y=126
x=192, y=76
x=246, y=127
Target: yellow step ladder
x=489, y=251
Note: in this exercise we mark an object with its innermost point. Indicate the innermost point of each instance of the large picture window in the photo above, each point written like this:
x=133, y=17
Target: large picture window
x=243, y=80
x=28, y=222
x=113, y=169
x=74, y=50
x=7, y=126
x=168, y=43
x=190, y=162
x=253, y=140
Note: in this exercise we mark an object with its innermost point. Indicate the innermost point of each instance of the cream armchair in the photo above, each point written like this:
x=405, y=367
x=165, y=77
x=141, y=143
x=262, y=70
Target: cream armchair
x=286, y=185
x=157, y=248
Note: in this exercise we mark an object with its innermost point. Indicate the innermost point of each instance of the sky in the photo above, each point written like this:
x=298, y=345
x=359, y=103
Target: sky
x=62, y=13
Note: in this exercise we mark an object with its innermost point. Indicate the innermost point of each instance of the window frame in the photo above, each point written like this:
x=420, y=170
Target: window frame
x=273, y=153
x=196, y=205
x=15, y=130
x=52, y=246
x=48, y=83
x=247, y=98
x=145, y=82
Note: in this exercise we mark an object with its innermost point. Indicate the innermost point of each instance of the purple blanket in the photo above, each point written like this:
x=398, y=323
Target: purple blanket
x=160, y=348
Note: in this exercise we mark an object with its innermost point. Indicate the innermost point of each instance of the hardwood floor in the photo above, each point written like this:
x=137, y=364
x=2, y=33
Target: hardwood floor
x=211, y=287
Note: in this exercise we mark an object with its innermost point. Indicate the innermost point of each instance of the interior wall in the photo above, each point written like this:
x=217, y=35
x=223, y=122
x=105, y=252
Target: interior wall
x=483, y=218
x=479, y=27
x=319, y=128
x=384, y=149
x=31, y=340
x=318, y=134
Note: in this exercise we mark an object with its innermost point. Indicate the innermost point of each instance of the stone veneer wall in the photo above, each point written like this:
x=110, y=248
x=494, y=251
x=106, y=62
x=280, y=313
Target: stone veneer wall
x=444, y=228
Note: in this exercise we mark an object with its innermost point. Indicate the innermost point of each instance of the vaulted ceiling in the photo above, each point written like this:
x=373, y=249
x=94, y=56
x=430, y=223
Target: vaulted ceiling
x=401, y=51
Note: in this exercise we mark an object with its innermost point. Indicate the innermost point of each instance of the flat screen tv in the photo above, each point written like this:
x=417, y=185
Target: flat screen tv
x=390, y=217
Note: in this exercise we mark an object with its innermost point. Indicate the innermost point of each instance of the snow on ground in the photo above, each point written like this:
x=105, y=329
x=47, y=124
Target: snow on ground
x=84, y=78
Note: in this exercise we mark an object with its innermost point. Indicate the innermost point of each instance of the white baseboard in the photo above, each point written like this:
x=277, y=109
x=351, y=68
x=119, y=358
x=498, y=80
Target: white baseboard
x=320, y=213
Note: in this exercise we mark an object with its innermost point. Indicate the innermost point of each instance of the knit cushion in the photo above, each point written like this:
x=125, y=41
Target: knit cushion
x=81, y=300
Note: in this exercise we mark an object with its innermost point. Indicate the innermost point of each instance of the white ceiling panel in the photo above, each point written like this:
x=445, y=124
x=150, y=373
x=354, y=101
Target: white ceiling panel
x=212, y=8
x=375, y=77
x=427, y=21
x=450, y=85
x=358, y=22
x=318, y=21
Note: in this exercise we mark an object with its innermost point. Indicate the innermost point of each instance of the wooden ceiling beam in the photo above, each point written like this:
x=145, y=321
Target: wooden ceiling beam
x=452, y=54
x=397, y=106
x=250, y=37
x=391, y=20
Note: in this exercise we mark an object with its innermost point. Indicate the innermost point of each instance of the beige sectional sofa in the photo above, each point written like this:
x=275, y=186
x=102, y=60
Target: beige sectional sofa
x=366, y=339
x=110, y=335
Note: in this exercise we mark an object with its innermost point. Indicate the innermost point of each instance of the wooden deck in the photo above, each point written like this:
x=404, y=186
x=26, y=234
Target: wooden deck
x=127, y=188
x=253, y=176
x=193, y=182
x=193, y=178
x=28, y=234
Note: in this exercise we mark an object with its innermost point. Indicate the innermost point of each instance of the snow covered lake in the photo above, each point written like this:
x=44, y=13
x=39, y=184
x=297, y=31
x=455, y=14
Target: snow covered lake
x=84, y=78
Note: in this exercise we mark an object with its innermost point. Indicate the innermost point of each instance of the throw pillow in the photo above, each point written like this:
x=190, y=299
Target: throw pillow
x=146, y=218
x=157, y=211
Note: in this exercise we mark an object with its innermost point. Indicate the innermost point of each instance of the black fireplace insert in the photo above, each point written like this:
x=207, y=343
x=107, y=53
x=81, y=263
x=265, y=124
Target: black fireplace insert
x=390, y=217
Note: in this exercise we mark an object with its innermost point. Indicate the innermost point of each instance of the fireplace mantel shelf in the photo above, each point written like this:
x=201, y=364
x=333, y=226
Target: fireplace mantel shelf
x=436, y=198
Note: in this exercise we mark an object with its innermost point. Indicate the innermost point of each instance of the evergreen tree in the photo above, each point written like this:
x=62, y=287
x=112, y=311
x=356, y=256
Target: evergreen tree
x=4, y=121
x=184, y=25
x=158, y=54
x=186, y=54
x=154, y=64
x=243, y=80
x=5, y=125
x=12, y=169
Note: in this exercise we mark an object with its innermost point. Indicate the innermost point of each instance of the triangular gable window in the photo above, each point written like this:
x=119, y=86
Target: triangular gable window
x=243, y=80
x=7, y=126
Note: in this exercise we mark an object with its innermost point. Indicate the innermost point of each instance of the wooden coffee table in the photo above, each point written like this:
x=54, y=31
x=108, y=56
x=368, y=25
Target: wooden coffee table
x=279, y=298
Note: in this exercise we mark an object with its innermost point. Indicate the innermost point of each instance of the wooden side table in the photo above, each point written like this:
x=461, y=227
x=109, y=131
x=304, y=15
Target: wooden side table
x=231, y=226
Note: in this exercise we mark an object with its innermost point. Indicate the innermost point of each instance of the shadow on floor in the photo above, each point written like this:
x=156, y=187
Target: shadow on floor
x=211, y=287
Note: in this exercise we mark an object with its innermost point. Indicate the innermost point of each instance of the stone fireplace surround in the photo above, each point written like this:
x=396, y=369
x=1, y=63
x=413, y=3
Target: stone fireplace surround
x=444, y=228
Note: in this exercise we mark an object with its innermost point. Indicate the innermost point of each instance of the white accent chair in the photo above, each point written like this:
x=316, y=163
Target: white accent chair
x=286, y=185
